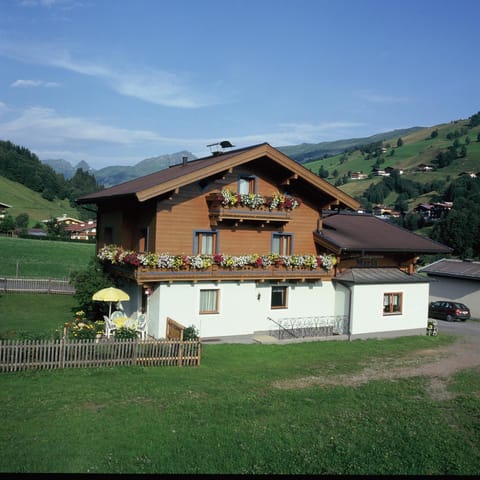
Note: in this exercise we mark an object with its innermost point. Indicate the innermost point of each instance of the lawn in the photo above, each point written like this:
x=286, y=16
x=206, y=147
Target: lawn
x=43, y=258
x=230, y=415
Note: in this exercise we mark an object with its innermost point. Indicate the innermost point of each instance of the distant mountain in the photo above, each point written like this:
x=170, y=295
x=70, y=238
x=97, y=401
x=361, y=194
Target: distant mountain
x=307, y=152
x=110, y=176
x=114, y=175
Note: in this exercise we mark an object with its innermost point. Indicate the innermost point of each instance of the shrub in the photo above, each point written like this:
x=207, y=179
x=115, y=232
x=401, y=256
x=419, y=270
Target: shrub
x=190, y=333
x=125, y=333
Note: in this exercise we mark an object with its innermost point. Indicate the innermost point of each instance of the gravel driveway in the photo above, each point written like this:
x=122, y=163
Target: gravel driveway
x=437, y=364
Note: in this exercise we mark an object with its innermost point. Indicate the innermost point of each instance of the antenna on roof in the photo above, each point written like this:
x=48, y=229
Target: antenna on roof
x=223, y=144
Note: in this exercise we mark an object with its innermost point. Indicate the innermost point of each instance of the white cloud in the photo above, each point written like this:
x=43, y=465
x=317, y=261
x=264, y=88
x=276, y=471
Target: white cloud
x=33, y=83
x=151, y=85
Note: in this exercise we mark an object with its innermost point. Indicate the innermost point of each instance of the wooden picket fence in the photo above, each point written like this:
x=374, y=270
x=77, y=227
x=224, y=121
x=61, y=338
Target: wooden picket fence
x=18, y=355
x=36, y=285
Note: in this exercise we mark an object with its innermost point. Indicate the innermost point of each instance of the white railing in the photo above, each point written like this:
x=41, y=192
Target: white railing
x=318, y=326
x=35, y=285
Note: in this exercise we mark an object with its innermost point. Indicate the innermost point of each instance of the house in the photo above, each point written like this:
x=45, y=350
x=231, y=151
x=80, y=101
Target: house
x=456, y=280
x=3, y=208
x=358, y=176
x=65, y=220
x=433, y=211
x=380, y=172
x=82, y=231
x=425, y=168
x=251, y=241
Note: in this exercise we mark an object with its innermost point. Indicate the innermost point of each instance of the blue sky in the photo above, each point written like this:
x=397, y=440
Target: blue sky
x=113, y=82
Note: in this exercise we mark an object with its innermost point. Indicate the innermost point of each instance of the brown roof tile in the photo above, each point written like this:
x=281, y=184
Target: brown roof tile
x=362, y=232
x=453, y=268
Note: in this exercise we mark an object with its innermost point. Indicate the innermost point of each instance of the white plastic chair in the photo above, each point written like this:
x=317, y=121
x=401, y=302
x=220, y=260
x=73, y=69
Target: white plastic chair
x=142, y=326
x=109, y=326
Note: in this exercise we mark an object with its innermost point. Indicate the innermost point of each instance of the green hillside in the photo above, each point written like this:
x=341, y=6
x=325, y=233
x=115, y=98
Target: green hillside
x=419, y=147
x=23, y=200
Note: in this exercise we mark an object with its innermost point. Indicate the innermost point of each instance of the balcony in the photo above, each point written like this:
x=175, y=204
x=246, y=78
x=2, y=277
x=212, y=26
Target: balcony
x=250, y=207
x=152, y=267
x=214, y=273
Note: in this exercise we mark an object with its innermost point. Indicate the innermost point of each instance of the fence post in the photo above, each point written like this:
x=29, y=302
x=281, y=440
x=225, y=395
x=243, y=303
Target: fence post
x=180, y=353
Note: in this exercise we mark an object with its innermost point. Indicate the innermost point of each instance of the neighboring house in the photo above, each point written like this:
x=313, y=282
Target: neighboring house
x=425, y=168
x=380, y=172
x=240, y=242
x=433, y=211
x=455, y=280
x=3, y=208
x=82, y=231
x=358, y=176
x=65, y=220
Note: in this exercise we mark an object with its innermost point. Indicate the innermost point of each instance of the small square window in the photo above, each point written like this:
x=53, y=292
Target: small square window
x=205, y=243
x=392, y=303
x=209, y=301
x=279, y=296
x=246, y=185
x=282, y=243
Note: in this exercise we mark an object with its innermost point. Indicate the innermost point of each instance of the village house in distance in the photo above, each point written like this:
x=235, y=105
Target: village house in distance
x=248, y=240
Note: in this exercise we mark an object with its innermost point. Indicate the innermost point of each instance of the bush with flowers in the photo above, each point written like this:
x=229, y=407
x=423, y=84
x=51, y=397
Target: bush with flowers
x=82, y=329
x=116, y=255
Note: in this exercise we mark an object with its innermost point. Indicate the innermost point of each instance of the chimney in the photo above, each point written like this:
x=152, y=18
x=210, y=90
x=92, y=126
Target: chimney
x=184, y=160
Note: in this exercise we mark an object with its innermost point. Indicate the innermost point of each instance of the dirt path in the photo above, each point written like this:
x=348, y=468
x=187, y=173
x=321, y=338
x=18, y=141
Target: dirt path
x=438, y=364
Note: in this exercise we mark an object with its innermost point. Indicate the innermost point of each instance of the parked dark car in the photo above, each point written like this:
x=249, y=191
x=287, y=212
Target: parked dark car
x=448, y=311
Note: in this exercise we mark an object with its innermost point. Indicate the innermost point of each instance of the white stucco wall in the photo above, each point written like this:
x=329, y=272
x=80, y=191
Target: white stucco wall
x=457, y=290
x=367, y=308
x=244, y=307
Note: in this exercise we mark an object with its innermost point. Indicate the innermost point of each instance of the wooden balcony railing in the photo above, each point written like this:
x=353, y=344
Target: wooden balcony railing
x=238, y=213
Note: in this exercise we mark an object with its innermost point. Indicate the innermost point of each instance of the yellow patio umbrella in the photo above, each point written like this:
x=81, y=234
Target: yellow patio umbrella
x=110, y=294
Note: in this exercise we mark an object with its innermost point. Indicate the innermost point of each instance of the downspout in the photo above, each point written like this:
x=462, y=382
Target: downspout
x=349, y=314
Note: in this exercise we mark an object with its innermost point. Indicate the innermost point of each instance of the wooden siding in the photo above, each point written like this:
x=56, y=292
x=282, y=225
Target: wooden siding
x=187, y=211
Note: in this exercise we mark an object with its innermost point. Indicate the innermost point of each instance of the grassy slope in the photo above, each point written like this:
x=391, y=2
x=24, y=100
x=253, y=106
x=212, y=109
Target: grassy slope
x=24, y=200
x=418, y=148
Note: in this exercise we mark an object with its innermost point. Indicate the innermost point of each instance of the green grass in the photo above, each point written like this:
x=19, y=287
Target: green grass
x=38, y=315
x=23, y=200
x=43, y=258
x=227, y=416
x=230, y=416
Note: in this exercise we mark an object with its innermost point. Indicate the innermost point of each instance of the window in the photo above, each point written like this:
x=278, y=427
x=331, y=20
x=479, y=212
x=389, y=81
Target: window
x=279, y=296
x=282, y=243
x=205, y=243
x=209, y=301
x=246, y=185
x=392, y=303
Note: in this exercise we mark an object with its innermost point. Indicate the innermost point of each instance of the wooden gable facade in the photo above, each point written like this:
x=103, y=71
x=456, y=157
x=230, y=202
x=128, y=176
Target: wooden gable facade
x=174, y=210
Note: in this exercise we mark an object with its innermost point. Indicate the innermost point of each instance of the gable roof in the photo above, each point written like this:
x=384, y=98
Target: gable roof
x=373, y=276
x=344, y=232
x=177, y=176
x=453, y=268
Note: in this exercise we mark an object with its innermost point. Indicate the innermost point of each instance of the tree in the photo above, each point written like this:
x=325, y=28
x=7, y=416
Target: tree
x=399, y=142
x=322, y=172
x=86, y=283
x=21, y=221
x=7, y=224
x=434, y=134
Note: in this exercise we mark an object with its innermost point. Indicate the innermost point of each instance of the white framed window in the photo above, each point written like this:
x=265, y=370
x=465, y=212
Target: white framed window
x=209, y=300
x=392, y=303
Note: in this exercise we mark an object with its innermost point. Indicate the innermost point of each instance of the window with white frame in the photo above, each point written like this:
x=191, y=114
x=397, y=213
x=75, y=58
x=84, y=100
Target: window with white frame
x=392, y=303
x=282, y=243
x=209, y=300
x=205, y=243
x=279, y=296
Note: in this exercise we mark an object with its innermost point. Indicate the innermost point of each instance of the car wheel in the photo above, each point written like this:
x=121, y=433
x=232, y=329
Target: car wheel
x=449, y=318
